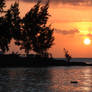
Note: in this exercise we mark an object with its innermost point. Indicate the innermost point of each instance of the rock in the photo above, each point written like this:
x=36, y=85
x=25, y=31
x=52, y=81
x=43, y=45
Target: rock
x=74, y=81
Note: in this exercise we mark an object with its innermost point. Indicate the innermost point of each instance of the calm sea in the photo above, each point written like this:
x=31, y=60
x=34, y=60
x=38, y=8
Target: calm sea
x=51, y=79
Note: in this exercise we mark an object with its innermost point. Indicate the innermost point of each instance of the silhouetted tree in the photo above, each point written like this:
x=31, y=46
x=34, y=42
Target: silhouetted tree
x=31, y=32
x=9, y=25
x=43, y=40
x=2, y=5
x=14, y=21
x=37, y=36
x=4, y=34
x=29, y=28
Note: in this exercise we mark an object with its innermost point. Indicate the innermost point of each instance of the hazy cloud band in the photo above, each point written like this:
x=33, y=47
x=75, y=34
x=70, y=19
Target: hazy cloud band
x=72, y=2
x=67, y=32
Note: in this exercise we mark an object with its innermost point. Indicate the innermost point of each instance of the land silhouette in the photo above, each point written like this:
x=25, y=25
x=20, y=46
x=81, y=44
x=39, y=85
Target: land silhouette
x=30, y=33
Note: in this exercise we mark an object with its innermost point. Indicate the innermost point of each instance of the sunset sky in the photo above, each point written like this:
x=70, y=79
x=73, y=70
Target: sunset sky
x=72, y=21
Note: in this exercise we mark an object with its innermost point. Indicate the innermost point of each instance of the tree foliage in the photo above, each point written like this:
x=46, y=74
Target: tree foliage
x=9, y=26
x=2, y=5
x=37, y=35
x=43, y=40
x=4, y=34
x=29, y=28
x=31, y=32
x=14, y=20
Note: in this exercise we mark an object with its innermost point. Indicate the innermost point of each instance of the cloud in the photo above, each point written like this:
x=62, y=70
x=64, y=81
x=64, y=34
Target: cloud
x=89, y=35
x=72, y=2
x=67, y=32
x=29, y=0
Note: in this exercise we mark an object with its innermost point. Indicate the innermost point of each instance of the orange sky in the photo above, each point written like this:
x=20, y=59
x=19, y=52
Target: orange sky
x=72, y=22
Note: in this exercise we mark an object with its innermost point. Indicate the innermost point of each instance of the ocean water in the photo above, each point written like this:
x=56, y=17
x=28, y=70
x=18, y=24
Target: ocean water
x=50, y=79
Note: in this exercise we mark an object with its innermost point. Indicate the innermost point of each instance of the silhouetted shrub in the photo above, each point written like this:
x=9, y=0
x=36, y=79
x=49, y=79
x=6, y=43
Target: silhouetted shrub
x=67, y=55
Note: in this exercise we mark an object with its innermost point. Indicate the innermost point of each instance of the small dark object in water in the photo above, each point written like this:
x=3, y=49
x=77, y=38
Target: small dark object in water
x=74, y=82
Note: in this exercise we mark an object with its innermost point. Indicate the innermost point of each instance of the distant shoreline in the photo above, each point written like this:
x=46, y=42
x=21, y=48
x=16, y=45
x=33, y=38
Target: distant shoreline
x=16, y=61
x=73, y=58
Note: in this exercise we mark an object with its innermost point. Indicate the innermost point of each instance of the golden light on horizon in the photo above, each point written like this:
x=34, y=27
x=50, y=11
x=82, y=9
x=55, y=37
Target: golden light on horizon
x=84, y=27
x=87, y=41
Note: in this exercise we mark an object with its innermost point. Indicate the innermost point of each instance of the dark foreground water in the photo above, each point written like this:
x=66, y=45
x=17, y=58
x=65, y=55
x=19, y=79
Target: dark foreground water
x=52, y=79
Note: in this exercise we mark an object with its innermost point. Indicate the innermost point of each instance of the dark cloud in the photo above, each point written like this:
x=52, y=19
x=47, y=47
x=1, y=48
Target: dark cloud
x=72, y=2
x=29, y=0
x=67, y=32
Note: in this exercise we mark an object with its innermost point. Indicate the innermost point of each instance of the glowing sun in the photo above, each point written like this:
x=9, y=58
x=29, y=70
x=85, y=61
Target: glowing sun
x=87, y=41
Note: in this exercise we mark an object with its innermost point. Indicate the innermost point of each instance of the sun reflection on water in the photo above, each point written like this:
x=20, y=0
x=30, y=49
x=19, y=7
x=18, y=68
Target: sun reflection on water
x=87, y=79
